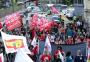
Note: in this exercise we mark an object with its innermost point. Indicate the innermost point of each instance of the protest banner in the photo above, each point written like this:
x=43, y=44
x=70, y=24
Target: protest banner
x=13, y=42
x=72, y=47
x=21, y=56
x=13, y=21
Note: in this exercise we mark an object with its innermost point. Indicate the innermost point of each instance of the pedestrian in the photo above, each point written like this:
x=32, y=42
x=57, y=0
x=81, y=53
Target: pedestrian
x=59, y=55
x=33, y=54
x=69, y=57
x=79, y=57
x=45, y=57
x=69, y=40
x=2, y=49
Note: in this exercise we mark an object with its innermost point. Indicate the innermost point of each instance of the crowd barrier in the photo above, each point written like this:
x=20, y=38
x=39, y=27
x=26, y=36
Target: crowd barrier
x=73, y=48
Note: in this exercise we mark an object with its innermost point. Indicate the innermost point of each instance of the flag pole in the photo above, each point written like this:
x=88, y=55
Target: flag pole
x=12, y=5
x=87, y=48
x=38, y=50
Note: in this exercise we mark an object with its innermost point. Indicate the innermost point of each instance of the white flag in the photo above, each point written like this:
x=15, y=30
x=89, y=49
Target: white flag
x=1, y=57
x=13, y=42
x=47, y=45
x=21, y=56
x=61, y=57
x=34, y=42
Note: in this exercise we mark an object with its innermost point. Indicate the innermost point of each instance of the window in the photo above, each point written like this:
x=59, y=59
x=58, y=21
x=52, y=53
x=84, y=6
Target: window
x=80, y=1
x=75, y=1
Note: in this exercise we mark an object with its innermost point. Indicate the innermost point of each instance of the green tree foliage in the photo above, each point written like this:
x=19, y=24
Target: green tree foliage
x=1, y=3
x=67, y=2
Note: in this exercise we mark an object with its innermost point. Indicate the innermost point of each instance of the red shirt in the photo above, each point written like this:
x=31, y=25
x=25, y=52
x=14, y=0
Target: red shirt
x=56, y=53
x=78, y=39
x=42, y=37
x=33, y=33
x=45, y=57
x=69, y=41
x=35, y=50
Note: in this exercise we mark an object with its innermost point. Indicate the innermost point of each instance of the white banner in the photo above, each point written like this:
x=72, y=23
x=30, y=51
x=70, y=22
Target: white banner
x=21, y=56
x=13, y=42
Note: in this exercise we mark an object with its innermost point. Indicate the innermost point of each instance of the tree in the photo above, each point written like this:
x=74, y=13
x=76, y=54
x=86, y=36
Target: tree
x=67, y=2
x=1, y=3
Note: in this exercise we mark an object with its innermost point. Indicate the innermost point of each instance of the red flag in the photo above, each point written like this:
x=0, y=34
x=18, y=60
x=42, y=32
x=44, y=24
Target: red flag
x=13, y=21
x=44, y=20
x=46, y=26
x=54, y=10
x=35, y=17
x=36, y=50
x=34, y=22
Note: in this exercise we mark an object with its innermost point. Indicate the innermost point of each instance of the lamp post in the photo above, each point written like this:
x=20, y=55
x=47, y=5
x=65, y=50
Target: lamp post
x=12, y=5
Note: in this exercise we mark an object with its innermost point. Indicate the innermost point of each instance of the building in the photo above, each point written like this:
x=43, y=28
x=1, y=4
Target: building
x=87, y=12
x=78, y=1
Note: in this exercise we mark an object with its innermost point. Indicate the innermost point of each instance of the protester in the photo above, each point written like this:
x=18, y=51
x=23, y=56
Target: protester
x=69, y=40
x=79, y=57
x=45, y=57
x=32, y=55
x=59, y=55
x=58, y=33
x=69, y=57
x=11, y=57
x=2, y=49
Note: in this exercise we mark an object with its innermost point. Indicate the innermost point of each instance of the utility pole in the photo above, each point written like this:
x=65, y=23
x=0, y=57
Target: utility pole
x=12, y=5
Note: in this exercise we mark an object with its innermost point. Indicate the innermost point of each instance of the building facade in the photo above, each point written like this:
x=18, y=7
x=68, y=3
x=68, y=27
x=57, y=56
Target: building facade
x=78, y=1
x=87, y=12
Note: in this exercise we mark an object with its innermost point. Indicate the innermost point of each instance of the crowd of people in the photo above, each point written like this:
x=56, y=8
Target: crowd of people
x=58, y=56
x=74, y=32
x=71, y=33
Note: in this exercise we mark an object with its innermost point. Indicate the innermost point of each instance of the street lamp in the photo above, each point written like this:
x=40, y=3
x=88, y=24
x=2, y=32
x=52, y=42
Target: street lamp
x=12, y=5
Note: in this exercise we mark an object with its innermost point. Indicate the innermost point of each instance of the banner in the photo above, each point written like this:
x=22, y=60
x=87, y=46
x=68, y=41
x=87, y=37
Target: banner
x=21, y=56
x=13, y=42
x=73, y=48
x=41, y=23
x=1, y=57
x=13, y=21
